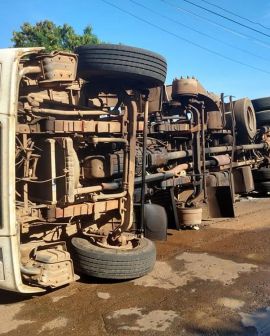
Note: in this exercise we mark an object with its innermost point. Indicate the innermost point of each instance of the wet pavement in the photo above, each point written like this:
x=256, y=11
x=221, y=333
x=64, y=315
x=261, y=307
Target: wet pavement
x=215, y=281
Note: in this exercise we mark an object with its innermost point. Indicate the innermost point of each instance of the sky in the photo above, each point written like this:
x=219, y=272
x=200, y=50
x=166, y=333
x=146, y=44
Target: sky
x=213, y=51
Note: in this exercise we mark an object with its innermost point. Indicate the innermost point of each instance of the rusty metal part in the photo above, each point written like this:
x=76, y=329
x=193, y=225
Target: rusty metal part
x=218, y=179
x=79, y=113
x=157, y=177
x=173, y=127
x=71, y=168
x=220, y=202
x=234, y=125
x=95, y=140
x=203, y=150
x=154, y=100
x=86, y=208
x=248, y=162
x=223, y=109
x=178, y=169
x=130, y=162
x=167, y=93
x=145, y=132
x=222, y=160
x=46, y=171
x=220, y=195
x=58, y=67
x=55, y=264
x=187, y=87
x=35, y=69
x=214, y=120
x=28, y=270
x=103, y=166
x=122, y=243
x=217, y=149
x=239, y=147
x=243, y=180
x=101, y=196
x=196, y=158
x=78, y=126
x=87, y=190
x=129, y=167
x=95, y=167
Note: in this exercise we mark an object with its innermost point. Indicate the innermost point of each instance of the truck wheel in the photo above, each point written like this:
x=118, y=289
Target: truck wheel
x=263, y=117
x=111, y=263
x=263, y=187
x=121, y=66
x=245, y=120
x=262, y=174
x=261, y=104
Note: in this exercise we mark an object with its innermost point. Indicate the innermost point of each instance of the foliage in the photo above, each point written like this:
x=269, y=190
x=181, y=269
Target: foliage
x=47, y=34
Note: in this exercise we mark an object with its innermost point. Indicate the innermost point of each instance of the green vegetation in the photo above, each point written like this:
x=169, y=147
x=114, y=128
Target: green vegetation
x=47, y=34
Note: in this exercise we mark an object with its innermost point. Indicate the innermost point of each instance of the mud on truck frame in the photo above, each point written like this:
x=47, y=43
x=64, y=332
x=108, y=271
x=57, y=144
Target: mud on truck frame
x=102, y=147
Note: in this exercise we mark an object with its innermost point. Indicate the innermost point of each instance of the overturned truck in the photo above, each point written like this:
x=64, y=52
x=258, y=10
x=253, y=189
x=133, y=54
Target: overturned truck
x=209, y=146
x=96, y=154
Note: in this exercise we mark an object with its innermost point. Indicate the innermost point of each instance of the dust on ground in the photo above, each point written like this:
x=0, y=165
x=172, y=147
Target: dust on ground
x=193, y=266
x=214, y=281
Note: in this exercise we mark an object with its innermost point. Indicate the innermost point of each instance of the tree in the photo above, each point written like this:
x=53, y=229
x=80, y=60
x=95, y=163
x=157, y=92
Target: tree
x=47, y=34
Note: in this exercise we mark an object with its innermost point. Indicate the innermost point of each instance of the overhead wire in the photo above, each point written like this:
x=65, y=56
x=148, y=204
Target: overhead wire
x=220, y=25
x=184, y=39
x=235, y=14
x=226, y=18
x=200, y=32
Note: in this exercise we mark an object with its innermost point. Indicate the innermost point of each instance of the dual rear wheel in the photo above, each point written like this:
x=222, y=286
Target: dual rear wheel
x=262, y=109
x=262, y=180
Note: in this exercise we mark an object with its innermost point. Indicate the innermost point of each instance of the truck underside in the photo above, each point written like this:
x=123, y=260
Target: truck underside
x=102, y=147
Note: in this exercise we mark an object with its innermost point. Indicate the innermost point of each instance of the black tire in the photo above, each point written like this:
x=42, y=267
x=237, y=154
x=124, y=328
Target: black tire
x=122, y=66
x=263, y=117
x=261, y=175
x=263, y=187
x=261, y=104
x=115, y=264
x=245, y=120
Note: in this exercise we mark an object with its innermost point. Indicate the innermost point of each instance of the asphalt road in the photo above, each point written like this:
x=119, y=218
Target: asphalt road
x=215, y=281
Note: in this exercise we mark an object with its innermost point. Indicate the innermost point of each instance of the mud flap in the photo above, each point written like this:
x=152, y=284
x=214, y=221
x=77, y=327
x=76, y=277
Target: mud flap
x=220, y=202
x=155, y=222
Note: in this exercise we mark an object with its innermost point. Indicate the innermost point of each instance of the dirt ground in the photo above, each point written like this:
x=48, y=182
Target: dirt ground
x=215, y=281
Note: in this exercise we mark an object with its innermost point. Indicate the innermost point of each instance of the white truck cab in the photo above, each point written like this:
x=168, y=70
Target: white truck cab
x=10, y=77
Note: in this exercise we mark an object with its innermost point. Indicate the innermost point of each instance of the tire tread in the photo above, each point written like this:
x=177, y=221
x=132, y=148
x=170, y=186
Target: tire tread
x=106, y=263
